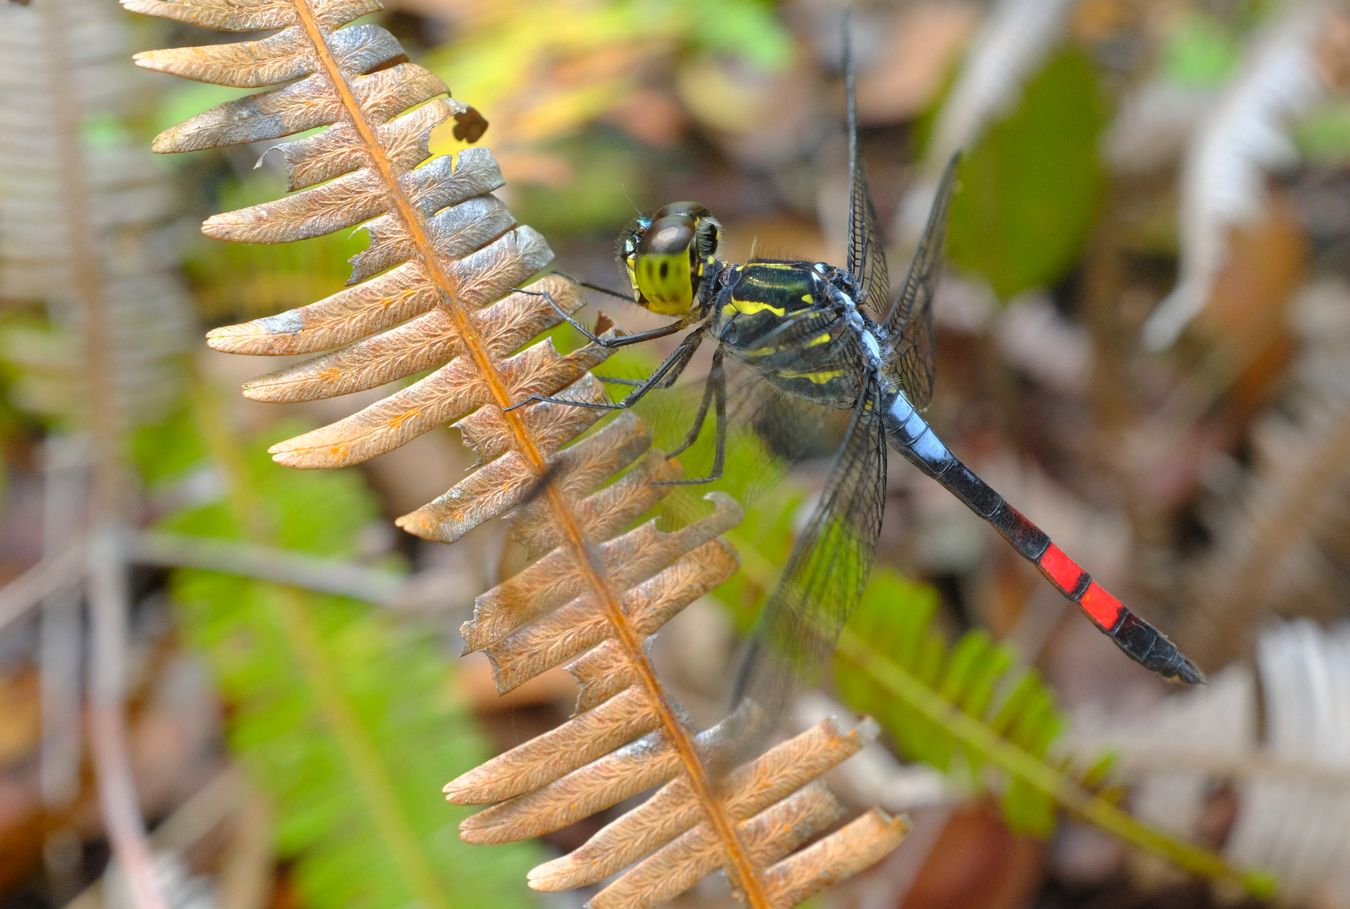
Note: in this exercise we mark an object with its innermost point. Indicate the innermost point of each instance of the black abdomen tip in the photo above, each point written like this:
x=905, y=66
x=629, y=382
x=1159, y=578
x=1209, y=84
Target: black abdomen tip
x=1186, y=671
x=1150, y=648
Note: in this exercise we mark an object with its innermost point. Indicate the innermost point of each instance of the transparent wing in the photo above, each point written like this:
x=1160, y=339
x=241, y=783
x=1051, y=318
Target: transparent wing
x=765, y=429
x=908, y=322
x=866, y=249
x=827, y=570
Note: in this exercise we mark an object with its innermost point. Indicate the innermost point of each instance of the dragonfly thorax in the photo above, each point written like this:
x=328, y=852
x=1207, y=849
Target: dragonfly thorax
x=668, y=255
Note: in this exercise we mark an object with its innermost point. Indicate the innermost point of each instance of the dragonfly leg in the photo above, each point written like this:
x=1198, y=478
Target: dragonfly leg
x=669, y=371
x=696, y=428
x=715, y=392
x=610, y=343
x=627, y=298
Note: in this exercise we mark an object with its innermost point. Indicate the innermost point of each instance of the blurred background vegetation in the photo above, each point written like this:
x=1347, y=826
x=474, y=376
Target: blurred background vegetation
x=1144, y=343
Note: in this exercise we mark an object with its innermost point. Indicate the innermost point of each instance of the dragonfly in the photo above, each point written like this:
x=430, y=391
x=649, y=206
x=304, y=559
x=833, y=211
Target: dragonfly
x=834, y=337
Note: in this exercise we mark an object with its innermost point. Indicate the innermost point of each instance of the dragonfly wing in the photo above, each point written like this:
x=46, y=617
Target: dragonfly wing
x=827, y=570
x=908, y=322
x=765, y=429
x=866, y=249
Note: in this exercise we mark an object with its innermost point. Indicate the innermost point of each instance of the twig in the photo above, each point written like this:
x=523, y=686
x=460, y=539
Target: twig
x=267, y=563
x=225, y=796
x=107, y=593
x=46, y=579
x=61, y=651
x=1259, y=764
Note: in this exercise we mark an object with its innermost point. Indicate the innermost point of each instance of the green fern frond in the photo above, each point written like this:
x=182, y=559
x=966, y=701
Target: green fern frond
x=346, y=721
x=977, y=677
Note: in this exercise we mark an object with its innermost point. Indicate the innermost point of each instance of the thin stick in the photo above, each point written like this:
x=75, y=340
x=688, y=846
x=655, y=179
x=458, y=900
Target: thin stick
x=45, y=580
x=267, y=563
x=107, y=595
x=61, y=643
x=226, y=798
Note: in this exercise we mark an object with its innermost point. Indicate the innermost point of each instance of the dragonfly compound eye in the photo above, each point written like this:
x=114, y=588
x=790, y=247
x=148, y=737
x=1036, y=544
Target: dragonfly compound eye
x=666, y=257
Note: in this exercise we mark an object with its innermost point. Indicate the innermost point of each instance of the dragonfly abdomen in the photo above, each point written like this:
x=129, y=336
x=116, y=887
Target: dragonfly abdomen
x=909, y=434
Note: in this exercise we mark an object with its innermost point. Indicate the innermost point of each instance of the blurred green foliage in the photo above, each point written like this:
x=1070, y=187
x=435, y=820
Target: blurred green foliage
x=346, y=720
x=246, y=280
x=1200, y=51
x=35, y=391
x=1031, y=185
x=898, y=667
x=556, y=80
x=596, y=191
x=167, y=450
x=180, y=101
x=504, y=48
x=1323, y=137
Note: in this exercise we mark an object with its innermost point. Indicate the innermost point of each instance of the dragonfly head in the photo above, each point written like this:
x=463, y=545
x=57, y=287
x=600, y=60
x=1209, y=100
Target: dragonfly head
x=667, y=254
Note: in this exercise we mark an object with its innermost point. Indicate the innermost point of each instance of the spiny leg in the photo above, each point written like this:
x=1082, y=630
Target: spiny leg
x=672, y=367
x=628, y=298
x=714, y=390
x=608, y=343
x=696, y=427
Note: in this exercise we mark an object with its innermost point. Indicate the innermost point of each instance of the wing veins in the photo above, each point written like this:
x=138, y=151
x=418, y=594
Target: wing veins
x=829, y=566
x=908, y=321
x=866, y=254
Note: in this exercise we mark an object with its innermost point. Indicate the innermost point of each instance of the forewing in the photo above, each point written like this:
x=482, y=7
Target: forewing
x=827, y=570
x=866, y=249
x=908, y=322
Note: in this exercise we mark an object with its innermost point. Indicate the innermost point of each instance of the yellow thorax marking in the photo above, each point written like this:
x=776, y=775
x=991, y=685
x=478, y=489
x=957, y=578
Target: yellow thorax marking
x=750, y=307
x=819, y=377
x=822, y=338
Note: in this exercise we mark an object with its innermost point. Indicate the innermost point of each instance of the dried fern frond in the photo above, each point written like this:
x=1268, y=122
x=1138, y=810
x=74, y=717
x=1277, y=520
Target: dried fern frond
x=1243, y=139
x=81, y=223
x=1275, y=735
x=436, y=290
x=1282, y=537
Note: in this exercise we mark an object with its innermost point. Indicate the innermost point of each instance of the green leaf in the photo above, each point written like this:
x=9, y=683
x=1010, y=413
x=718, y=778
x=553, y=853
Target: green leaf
x=1030, y=186
x=1002, y=726
x=751, y=29
x=167, y=449
x=970, y=709
x=1323, y=136
x=1199, y=52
